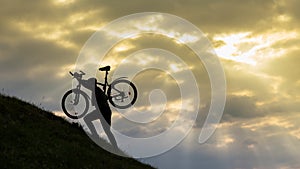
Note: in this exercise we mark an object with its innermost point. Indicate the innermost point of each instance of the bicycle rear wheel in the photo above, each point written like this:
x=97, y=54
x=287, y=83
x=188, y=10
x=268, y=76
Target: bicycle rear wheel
x=72, y=108
x=122, y=93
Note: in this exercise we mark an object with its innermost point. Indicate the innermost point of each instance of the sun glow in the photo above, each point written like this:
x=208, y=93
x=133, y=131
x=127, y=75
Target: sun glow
x=243, y=93
x=224, y=142
x=279, y=121
x=245, y=47
x=123, y=47
x=63, y=2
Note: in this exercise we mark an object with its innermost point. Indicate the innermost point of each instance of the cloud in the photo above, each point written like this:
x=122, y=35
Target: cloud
x=285, y=67
x=233, y=145
x=40, y=42
x=289, y=8
x=241, y=106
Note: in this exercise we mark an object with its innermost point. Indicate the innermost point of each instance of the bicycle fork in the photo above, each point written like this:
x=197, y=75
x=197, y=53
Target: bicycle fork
x=76, y=99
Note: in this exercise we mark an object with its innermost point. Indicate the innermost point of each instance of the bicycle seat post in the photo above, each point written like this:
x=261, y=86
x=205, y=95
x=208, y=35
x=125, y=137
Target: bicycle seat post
x=105, y=81
x=106, y=69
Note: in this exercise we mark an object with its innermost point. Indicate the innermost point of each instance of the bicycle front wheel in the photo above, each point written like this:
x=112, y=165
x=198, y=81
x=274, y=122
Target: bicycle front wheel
x=122, y=93
x=75, y=103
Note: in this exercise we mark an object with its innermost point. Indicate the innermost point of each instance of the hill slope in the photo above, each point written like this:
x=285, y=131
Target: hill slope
x=33, y=138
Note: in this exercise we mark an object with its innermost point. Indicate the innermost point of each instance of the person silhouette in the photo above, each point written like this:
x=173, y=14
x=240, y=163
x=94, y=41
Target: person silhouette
x=102, y=111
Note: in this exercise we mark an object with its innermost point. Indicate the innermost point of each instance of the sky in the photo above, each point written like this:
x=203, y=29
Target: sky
x=257, y=43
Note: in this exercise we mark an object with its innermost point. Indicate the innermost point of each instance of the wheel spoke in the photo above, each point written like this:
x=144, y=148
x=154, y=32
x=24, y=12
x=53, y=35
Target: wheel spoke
x=123, y=93
x=71, y=109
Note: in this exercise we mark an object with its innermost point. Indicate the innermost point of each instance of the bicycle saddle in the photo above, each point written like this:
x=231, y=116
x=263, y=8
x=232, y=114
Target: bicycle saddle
x=106, y=68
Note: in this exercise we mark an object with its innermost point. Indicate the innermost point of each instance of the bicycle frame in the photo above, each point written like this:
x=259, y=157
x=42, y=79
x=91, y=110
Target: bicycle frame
x=120, y=96
x=115, y=91
x=79, y=78
x=106, y=84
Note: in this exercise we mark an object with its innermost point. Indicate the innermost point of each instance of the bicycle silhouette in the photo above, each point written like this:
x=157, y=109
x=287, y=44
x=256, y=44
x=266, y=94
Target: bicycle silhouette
x=121, y=94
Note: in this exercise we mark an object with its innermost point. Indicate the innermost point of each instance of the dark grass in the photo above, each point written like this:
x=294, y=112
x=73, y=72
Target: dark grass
x=34, y=138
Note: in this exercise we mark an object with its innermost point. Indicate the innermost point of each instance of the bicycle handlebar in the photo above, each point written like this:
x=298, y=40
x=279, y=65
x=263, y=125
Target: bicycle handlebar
x=77, y=75
x=82, y=73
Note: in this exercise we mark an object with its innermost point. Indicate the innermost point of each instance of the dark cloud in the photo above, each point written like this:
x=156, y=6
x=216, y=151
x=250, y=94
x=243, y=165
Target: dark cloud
x=250, y=142
x=241, y=106
x=289, y=8
x=216, y=16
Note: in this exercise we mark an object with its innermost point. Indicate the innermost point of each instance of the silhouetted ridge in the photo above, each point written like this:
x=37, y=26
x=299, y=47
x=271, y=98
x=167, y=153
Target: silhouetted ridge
x=33, y=138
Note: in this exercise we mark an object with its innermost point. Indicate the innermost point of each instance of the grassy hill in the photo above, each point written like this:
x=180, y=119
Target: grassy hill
x=33, y=138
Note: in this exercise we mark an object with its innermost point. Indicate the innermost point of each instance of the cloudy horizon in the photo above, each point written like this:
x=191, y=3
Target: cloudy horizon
x=257, y=42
